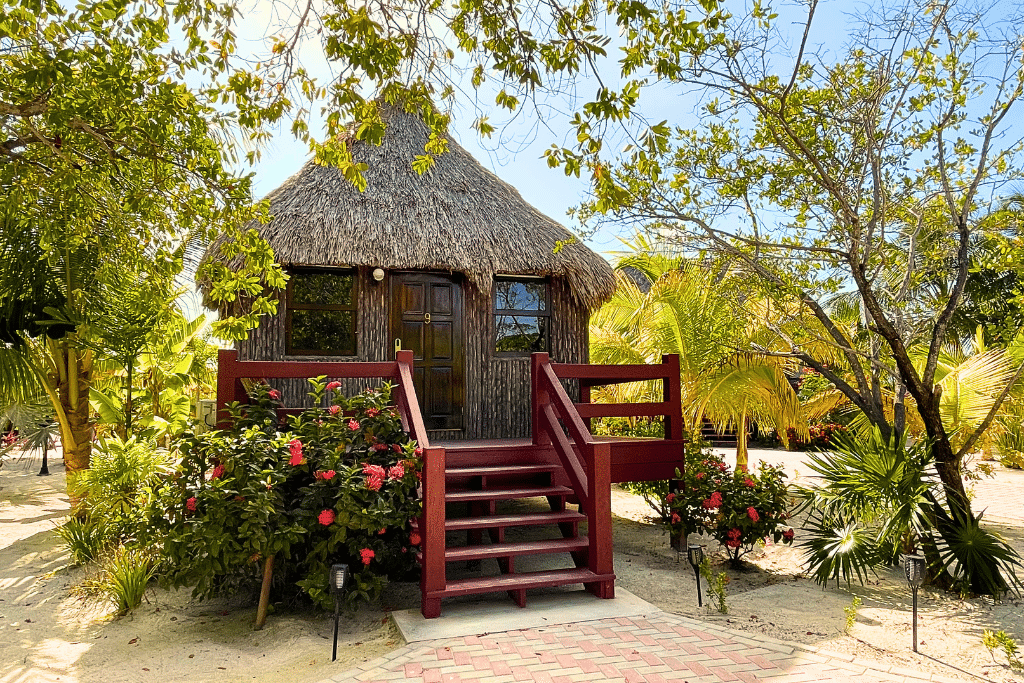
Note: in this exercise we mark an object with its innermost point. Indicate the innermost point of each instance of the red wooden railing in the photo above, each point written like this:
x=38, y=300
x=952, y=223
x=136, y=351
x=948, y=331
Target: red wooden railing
x=231, y=372
x=590, y=478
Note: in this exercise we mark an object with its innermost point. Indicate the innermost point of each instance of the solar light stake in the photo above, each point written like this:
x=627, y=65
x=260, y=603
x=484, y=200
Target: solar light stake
x=339, y=577
x=44, y=471
x=695, y=554
x=913, y=566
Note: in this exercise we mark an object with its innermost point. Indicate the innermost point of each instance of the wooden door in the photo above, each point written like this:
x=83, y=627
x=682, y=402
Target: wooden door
x=426, y=315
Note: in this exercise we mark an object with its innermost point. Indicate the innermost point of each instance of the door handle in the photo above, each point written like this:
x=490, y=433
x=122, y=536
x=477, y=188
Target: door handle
x=426, y=318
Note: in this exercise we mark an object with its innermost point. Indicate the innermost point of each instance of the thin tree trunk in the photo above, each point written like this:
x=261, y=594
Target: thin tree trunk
x=741, y=442
x=74, y=397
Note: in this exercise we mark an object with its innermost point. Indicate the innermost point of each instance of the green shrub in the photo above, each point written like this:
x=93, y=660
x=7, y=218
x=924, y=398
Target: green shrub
x=115, y=488
x=877, y=498
x=339, y=486
x=83, y=539
x=851, y=613
x=999, y=640
x=126, y=574
x=715, y=583
x=737, y=509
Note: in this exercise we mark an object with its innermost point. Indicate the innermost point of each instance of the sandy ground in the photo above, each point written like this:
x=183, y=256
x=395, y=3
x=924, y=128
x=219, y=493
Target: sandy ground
x=51, y=631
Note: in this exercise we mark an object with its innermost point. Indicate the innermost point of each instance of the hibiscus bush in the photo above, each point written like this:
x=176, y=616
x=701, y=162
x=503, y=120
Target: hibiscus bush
x=738, y=509
x=338, y=485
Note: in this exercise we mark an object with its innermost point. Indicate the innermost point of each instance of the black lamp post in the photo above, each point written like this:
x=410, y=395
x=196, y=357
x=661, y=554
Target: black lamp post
x=695, y=554
x=339, y=577
x=913, y=566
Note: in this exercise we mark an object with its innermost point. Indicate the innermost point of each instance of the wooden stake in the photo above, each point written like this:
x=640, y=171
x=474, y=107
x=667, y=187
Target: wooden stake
x=268, y=575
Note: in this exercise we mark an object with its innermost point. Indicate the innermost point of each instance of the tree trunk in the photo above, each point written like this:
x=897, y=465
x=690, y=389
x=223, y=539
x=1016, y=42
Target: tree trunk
x=741, y=443
x=74, y=398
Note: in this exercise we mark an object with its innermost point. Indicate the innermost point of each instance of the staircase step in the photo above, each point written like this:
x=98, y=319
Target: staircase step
x=491, y=584
x=483, y=552
x=506, y=494
x=500, y=470
x=502, y=521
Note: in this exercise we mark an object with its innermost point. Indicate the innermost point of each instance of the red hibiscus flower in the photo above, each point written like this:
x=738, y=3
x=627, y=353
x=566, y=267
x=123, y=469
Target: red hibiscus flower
x=752, y=513
x=734, y=543
x=217, y=473
x=670, y=497
x=322, y=475
x=715, y=501
x=414, y=539
x=190, y=504
x=676, y=518
x=275, y=394
x=295, y=448
x=396, y=472
x=333, y=385
x=788, y=534
x=366, y=554
x=326, y=517
x=382, y=532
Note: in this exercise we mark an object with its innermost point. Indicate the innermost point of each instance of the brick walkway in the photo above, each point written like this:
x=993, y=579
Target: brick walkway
x=652, y=649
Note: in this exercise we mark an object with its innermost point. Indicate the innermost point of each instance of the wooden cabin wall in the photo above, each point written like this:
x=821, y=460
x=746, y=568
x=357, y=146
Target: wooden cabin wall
x=497, y=387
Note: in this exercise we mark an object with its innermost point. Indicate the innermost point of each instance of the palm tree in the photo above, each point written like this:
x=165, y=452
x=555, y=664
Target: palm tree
x=666, y=304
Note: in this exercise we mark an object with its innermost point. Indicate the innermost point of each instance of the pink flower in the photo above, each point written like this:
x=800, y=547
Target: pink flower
x=676, y=518
x=325, y=476
x=700, y=475
x=372, y=412
x=190, y=504
x=670, y=497
x=414, y=539
x=374, y=483
x=335, y=410
x=333, y=385
x=374, y=476
x=382, y=532
x=366, y=554
x=396, y=472
x=752, y=513
x=295, y=448
x=326, y=517
x=749, y=482
x=353, y=425
x=380, y=447
x=715, y=501
x=734, y=533
x=275, y=394
x=217, y=473
x=788, y=534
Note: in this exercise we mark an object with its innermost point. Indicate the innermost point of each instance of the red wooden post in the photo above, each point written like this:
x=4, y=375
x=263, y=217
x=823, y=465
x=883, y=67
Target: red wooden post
x=599, y=513
x=538, y=398
x=432, y=575
x=585, y=398
x=227, y=383
x=672, y=395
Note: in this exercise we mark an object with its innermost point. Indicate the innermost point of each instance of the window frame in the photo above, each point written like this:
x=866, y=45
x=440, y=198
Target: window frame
x=290, y=306
x=520, y=313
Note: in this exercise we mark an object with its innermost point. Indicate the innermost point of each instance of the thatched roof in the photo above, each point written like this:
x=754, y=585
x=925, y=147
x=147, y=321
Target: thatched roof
x=457, y=217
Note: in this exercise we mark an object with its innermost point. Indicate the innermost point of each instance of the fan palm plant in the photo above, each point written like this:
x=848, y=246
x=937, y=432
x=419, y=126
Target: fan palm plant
x=666, y=304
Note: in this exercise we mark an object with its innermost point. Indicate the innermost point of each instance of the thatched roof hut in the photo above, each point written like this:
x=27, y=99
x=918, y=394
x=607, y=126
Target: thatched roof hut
x=452, y=264
x=457, y=217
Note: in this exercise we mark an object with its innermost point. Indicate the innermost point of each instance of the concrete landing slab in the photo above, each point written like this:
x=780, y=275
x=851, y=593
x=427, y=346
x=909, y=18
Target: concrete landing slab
x=500, y=616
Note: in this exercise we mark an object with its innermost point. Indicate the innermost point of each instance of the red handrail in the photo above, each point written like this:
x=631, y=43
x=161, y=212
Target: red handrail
x=591, y=478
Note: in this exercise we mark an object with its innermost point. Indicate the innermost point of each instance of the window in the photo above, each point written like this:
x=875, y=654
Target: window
x=321, y=313
x=521, y=315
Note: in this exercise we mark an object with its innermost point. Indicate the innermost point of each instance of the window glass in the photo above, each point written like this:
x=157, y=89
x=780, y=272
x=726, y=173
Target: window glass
x=324, y=331
x=519, y=295
x=321, y=313
x=332, y=289
x=520, y=333
x=520, y=316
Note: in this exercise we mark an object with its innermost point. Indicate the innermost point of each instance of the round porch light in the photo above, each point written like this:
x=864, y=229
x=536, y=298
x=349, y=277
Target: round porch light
x=378, y=274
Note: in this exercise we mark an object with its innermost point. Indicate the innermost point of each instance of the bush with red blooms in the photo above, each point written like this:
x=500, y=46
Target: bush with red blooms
x=822, y=437
x=338, y=487
x=738, y=509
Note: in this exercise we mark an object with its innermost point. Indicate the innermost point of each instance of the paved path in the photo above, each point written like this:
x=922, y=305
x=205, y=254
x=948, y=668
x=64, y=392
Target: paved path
x=653, y=649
